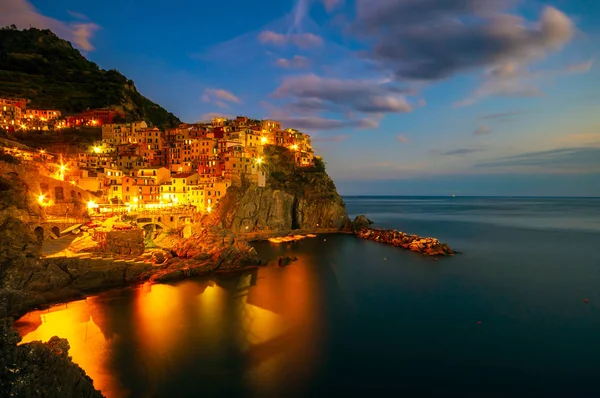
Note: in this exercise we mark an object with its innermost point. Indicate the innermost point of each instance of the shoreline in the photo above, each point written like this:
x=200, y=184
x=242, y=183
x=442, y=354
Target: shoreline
x=128, y=274
x=180, y=268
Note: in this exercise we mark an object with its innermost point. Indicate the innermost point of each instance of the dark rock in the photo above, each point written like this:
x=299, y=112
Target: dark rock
x=39, y=369
x=414, y=243
x=361, y=222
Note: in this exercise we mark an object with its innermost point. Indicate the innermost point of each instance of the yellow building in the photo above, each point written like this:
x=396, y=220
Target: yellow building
x=180, y=189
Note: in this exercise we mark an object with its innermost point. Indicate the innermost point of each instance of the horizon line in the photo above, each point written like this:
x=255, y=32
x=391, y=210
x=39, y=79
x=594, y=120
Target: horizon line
x=469, y=196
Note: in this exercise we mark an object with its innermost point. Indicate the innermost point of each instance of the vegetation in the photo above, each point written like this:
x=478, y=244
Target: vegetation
x=38, y=65
x=68, y=140
x=283, y=173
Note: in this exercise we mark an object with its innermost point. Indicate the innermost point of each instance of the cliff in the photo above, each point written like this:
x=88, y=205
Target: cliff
x=34, y=369
x=38, y=65
x=295, y=198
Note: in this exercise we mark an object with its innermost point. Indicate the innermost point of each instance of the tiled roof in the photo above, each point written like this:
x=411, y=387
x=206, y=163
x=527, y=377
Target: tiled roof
x=183, y=175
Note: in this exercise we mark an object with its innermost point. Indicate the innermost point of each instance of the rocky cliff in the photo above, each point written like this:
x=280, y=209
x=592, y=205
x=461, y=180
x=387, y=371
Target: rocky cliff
x=35, y=369
x=295, y=198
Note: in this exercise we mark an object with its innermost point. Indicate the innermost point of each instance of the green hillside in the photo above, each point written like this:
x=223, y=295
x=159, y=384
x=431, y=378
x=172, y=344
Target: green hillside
x=38, y=65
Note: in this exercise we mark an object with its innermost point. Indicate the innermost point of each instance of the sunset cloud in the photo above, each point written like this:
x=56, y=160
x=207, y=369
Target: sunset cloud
x=482, y=130
x=23, y=14
x=301, y=40
x=343, y=94
x=296, y=62
x=468, y=35
x=219, y=97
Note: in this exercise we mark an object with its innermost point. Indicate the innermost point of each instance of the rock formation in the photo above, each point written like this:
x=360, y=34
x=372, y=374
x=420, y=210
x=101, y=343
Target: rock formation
x=425, y=246
x=39, y=369
x=34, y=369
x=206, y=251
x=294, y=198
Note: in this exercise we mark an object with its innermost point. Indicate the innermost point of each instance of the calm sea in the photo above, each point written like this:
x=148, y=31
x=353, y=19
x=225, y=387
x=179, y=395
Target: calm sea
x=507, y=318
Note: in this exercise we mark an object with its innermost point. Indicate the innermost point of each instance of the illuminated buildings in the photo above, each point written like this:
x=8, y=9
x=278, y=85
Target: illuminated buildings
x=193, y=165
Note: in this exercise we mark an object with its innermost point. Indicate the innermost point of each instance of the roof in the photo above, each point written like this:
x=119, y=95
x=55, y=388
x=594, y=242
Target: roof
x=184, y=175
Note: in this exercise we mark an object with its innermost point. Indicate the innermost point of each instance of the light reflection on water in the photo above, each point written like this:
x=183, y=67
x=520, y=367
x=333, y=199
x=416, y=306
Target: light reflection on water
x=142, y=341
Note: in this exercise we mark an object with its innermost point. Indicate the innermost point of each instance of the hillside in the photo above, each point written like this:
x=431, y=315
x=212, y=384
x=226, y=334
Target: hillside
x=37, y=65
x=295, y=198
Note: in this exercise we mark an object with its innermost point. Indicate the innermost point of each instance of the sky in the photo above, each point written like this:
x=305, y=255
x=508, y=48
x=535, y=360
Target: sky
x=401, y=97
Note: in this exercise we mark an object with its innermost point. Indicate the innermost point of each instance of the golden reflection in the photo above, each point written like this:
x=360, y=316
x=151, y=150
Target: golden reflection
x=158, y=310
x=281, y=325
x=163, y=329
x=89, y=347
x=258, y=325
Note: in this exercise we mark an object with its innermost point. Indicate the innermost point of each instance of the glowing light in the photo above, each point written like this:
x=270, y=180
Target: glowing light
x=94, y=122
x=92, y=205
x=41, y=199
x=63, y=168
x=135, y=200
x=97, y=149
x=263, y=140
x=209, y=209
x=259, y=160
x=294, y=147
x=42, y=151
x=23, y=126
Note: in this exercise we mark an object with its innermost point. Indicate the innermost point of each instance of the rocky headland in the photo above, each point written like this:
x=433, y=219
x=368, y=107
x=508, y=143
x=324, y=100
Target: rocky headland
x=361, y=227
x=295, y=200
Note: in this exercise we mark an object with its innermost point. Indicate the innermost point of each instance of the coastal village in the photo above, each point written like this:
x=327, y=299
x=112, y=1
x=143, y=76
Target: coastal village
x=139, y=168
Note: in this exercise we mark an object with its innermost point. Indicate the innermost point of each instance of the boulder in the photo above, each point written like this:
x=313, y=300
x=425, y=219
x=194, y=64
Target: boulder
x=361, y=222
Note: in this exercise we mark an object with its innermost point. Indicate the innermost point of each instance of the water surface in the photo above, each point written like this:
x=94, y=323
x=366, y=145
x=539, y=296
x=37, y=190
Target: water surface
x=354, y=317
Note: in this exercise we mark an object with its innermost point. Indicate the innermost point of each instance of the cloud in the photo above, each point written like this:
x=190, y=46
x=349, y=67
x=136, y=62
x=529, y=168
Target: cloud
x=331, y=5
x=583, y=67
x=434, y=40
x=574, y=159
x=515, y=80
x=301, y=40
x=351, y=95
x=297, y=62
x=207, y=117
x=321, y=123
x=402, y=138
x=23, y=14
x=219, y=96
x=460, y=151
x=77, y=15
x=270, y=37
x=482, y=130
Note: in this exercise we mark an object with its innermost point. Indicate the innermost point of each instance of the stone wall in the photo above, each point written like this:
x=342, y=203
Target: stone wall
x=126, y=243
x=64, y=197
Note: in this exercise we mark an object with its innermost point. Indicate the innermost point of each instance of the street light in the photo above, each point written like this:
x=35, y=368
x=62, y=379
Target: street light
x=41, y=199
x=259, y=161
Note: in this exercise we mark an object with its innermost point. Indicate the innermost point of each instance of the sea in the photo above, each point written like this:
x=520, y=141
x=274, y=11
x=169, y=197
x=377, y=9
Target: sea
x=515, y=314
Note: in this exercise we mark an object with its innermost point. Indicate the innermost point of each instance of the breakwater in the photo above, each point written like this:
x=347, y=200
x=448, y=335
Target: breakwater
x=414, y=243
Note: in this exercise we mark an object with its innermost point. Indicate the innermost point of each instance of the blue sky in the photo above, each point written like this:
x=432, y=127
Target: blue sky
x=428, y=97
